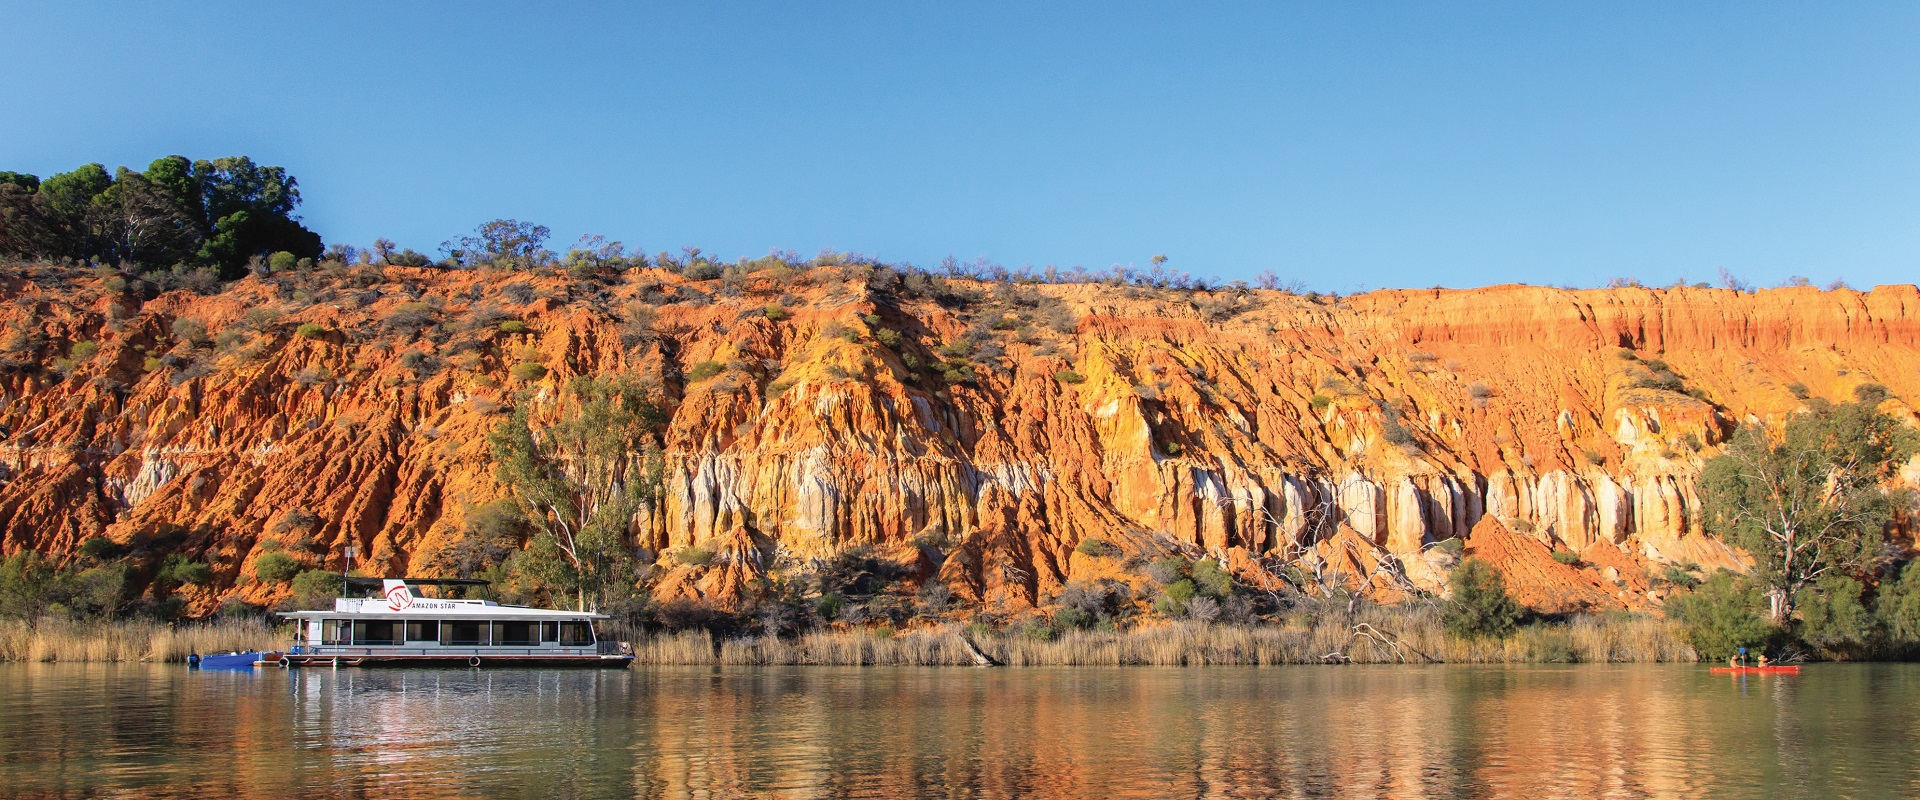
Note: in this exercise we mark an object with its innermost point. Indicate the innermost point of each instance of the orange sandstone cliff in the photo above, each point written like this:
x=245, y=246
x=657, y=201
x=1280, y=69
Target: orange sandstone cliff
x=993, y=426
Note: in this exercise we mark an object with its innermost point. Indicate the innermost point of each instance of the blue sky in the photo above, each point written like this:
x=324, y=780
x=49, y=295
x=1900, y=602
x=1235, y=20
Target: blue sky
x=1351, y=145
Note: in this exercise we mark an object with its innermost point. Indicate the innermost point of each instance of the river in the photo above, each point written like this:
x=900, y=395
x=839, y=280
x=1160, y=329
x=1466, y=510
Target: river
x=1353, y=731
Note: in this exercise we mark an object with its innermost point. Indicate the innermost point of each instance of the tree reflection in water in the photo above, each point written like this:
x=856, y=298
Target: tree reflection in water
x=1444, y=732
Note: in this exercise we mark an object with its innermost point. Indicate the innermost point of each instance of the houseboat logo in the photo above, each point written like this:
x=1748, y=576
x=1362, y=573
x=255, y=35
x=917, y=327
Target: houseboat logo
x=399, y=599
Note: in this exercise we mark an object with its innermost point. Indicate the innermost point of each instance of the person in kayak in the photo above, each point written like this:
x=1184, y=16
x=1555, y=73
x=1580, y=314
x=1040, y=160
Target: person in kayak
x=1763, y=660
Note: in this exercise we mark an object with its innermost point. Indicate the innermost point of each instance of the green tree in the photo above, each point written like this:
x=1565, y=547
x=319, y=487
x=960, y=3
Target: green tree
x=178, y=570
x=20, y=179
x=317, y=588
x=1808, y=500
x=1832, y=616
x=1479, y=605
x=502, y=243
x=136, y=221
x=1723, y=615
x=276, y=568
x=580, y=478
x=1898, y=606
x=25, y=578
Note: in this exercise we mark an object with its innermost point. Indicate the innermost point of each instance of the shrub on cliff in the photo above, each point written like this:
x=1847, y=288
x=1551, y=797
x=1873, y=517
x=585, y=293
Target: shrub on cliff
x=1211, y=579
x=1068, y=376
x=1479, y=605
x=694, y=556
x=529, y=371
x=316, y=588
x=276, y=568
x=1173, y=600
x=178, y=570
x=1096, y=547
x=1723, y=615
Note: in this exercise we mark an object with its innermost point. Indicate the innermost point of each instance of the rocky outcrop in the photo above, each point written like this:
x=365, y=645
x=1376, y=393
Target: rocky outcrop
x=996, y=426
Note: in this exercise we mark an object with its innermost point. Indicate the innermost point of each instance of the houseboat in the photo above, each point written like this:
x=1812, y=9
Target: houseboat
x=399, y=626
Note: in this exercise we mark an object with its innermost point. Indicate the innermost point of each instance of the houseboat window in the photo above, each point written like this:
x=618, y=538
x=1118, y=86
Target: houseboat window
x=516, y=633
x=463, y=632
x=336, y=631
x=423, y=630
x=376, y=631
x=549, y=631
x=576, y=633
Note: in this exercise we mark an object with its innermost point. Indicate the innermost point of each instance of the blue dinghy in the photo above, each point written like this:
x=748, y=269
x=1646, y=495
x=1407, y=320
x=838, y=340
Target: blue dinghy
x=224, y=660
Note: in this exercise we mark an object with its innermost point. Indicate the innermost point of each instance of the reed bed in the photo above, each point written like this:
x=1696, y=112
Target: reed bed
x=1379, y=636
x=130, y=641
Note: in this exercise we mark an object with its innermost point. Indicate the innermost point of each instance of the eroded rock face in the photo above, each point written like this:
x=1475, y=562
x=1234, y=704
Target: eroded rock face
x=1402, y=417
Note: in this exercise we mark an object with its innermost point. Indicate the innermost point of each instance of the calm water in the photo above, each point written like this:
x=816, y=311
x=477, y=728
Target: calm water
x=1586, y=731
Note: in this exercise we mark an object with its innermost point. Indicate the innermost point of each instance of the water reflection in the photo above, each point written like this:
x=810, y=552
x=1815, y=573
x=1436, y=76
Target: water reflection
x=1335, y=732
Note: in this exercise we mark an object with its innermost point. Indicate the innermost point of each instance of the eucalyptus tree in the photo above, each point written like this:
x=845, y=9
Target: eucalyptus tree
x=1811, y=498
x=580, y=470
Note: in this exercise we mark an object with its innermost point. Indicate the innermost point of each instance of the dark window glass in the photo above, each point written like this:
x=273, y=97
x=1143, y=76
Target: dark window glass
x=574, y=634
x=521, y=634
x=461, y=632
x=376, y=631
x=334, y=631
x=423, y=630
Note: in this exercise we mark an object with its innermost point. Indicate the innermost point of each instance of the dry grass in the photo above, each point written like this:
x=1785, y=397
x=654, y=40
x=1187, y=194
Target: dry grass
x=1403, y=636
x=59, y=640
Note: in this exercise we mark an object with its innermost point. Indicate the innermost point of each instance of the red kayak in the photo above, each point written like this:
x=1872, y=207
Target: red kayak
x=1787, y=670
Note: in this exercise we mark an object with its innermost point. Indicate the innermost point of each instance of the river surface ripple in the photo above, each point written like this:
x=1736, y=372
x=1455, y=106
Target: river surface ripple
x=1337, y=732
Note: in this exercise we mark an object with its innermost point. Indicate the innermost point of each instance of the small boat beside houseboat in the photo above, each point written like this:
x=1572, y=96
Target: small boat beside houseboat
x=398, y=626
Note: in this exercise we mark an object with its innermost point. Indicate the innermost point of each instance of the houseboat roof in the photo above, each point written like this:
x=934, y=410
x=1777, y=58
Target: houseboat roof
x=399, y=602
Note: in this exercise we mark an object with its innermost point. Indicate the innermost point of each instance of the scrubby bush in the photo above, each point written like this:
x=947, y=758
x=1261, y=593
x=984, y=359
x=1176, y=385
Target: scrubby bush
x=1479, y=605
x=1069, y=376
x=529, y=371
x=703, y=371
x=830, y=606
x=513, y=326
x=1211, y=579
x=276, y=568
x=1680, y=576
x=317, y=588
x=190, y=330
x=1096, y=547
x=177, y=570
x=775, y=312
x=1173, y=599
x=1567, y=557
x=1723, y=615
x=1898, y=606
x=1832, y=617
x=101, y=548
x=310, y=330
x=694, y=556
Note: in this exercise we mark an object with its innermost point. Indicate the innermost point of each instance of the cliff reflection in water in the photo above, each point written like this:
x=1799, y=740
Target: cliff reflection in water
x=1588, y=731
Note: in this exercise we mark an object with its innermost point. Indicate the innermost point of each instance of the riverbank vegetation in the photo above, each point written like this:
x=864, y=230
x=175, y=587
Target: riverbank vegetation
x=133, y=640
x=1378, y=635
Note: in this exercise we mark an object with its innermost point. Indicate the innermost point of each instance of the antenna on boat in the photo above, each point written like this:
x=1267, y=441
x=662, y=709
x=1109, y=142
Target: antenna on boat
x=347, y=570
